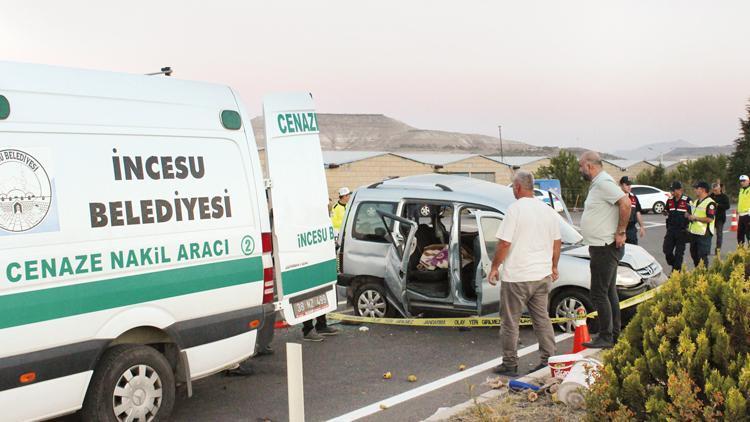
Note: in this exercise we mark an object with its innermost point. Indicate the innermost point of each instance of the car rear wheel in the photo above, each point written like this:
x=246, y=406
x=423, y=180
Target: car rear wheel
x=565, y=304
x=130, y=383
x=658, y=207
x=370, y=301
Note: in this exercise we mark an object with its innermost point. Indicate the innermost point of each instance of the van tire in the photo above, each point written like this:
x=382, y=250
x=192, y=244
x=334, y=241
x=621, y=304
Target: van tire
x=568, y=295
x=375, y=290
x=99, y=402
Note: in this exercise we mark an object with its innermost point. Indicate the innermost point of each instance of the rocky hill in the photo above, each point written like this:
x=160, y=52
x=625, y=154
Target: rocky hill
x=377, y=132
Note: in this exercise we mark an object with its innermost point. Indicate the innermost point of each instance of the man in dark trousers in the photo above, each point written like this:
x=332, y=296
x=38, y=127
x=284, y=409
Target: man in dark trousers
x=701, y=227
x=676, y=210
x=603, y=223
x=632, y=232
x=722, y=205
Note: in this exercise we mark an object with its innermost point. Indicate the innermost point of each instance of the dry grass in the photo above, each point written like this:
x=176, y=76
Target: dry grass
x=516, y=407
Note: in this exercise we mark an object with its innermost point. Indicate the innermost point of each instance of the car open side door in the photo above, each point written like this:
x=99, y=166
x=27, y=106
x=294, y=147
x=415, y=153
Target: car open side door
x=488, y=296
x=304, y=252
x=397, y=260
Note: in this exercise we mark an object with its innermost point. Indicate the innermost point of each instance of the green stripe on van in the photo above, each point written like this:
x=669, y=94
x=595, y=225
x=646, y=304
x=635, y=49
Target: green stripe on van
x=304, y=278
x=59, y=302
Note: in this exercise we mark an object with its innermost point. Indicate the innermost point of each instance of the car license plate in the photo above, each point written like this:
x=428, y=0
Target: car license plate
x=310, y=305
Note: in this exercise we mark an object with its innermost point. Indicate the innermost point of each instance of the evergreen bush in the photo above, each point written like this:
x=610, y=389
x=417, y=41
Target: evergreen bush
x=686, y=353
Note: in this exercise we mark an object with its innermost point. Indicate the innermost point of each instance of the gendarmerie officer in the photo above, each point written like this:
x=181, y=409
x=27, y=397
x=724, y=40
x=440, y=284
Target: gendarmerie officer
x=676, y=210
x=632, y=232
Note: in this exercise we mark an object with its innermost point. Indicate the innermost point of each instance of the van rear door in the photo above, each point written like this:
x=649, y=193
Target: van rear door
x=304, y=252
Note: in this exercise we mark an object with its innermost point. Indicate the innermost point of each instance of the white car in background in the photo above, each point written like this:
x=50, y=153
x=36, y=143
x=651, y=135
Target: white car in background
x=651, y=198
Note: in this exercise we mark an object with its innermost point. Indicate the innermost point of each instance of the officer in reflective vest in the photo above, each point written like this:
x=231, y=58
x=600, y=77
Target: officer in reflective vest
x=677, y=211
x=743, y=209
x=701, y=226
x=339, y=209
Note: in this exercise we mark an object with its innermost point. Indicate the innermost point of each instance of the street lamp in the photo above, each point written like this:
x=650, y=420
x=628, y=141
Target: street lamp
x=500, y=135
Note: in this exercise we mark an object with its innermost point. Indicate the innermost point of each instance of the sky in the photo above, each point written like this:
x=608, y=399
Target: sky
x=598, y=74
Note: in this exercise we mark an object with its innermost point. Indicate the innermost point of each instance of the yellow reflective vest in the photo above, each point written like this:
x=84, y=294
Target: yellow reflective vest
x=337, y=215
x=700, y=210
x=743, y=206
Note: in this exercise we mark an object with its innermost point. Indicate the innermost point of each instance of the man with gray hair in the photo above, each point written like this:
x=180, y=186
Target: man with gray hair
x=603, y=226
x=529, y=250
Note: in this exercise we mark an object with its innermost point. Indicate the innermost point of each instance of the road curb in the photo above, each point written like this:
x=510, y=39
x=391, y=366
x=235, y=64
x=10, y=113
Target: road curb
x=445, y=413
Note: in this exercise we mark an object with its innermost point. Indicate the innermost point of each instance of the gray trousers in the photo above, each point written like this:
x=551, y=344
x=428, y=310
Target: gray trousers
x=534, y=296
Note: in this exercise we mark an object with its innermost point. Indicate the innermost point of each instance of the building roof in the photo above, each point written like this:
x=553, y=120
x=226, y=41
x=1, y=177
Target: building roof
x=663, y=163
x=626, y=164
x=345, y=157
x=435, y=158
x=516, y=160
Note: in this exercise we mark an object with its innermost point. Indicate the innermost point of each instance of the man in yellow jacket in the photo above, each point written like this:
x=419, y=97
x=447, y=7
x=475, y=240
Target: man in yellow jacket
x=339, y=209
x=743, y=209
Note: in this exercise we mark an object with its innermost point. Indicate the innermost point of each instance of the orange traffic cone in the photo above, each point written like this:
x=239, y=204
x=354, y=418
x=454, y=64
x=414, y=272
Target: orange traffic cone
x=733, y=227
x=280, y=324
x=582, y=332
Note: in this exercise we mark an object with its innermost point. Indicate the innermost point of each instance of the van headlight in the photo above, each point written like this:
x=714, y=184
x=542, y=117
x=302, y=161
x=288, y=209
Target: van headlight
x=627, y=277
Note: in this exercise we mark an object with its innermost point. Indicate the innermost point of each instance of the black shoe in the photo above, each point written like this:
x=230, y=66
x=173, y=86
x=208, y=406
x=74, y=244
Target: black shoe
x=538, y=367
x=312, y=336
x=507, y=370
x=265, y=351
x=327, y=331
x=244, y=369
x=598, y=344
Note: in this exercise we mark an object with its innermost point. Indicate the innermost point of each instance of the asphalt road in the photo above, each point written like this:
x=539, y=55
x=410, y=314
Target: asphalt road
x=345, y=373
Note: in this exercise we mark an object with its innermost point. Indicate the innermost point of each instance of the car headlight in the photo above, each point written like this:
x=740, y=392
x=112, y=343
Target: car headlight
x=627, y=277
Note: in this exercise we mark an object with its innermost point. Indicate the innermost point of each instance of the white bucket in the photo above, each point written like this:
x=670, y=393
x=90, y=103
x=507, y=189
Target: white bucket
x=581, y=376
x=560, y=365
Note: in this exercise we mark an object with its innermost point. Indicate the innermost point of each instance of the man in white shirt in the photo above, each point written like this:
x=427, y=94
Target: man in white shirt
x=528, y=250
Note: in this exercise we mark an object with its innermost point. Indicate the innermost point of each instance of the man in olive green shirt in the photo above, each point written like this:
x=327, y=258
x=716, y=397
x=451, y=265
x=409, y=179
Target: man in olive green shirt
x=605, y=218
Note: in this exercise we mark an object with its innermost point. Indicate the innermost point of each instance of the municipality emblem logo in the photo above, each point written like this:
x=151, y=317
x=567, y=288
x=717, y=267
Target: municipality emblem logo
x=25, y=191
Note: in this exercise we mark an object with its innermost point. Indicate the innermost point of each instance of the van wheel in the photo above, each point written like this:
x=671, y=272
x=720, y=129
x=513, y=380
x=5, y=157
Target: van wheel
x=369, y=301
x=658, y=207
x=131, y=382
x=565, y=304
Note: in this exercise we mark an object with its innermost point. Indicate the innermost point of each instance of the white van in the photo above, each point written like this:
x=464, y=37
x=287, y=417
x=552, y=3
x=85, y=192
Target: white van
x=135, y=240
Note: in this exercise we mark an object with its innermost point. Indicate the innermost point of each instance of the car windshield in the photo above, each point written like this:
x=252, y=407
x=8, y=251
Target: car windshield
x=568, y=234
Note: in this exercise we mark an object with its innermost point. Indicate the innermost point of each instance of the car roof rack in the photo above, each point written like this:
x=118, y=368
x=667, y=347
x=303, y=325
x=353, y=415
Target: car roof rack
x=440, y=186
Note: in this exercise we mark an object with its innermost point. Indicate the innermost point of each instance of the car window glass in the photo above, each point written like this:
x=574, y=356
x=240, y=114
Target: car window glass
x=490, y=226
x=367, y=222
x=430, y=215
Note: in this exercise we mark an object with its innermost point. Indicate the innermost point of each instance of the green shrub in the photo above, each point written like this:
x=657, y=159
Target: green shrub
x=686, y=353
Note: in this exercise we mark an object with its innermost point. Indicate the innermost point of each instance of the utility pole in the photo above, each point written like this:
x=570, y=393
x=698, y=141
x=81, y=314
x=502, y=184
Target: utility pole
x=500, y=135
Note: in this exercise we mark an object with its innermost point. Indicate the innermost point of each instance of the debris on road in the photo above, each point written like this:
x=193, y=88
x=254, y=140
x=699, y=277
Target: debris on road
x=364, y=329
x=411, y=378
x=532, y=396
x=495, y=383
x=387, y=375
x=461, y=367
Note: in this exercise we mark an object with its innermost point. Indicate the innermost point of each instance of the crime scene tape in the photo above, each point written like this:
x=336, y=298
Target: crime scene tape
x=477, y=321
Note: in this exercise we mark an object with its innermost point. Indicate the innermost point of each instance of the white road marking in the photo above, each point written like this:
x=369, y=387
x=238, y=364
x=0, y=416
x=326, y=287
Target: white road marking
x=437, y=384
x=649, y=224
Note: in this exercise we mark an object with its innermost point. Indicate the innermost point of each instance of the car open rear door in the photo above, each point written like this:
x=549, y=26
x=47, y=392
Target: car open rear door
x=488, y=296
x=304, y=251
x=397, y=260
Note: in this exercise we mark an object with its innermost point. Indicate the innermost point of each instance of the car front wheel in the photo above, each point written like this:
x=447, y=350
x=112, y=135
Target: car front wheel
x=658, y=207
x=565, y=304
